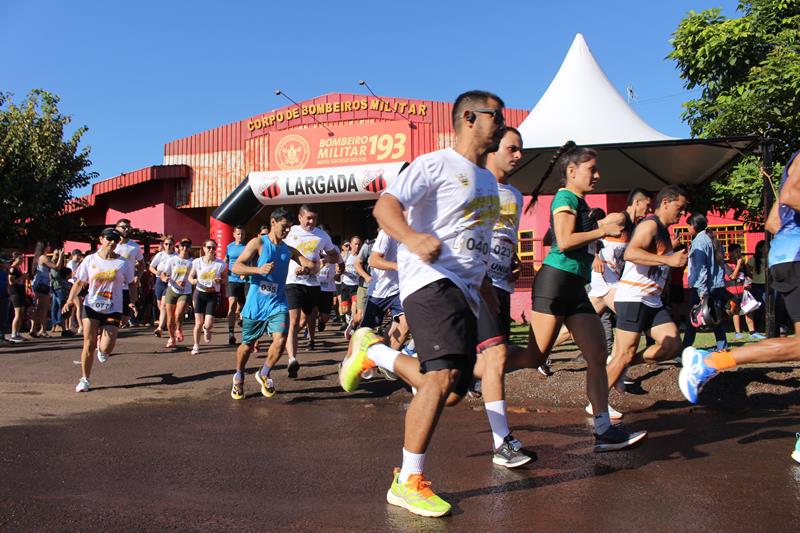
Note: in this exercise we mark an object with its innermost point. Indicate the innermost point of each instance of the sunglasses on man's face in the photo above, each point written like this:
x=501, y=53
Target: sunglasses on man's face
x=497, y=114
x=184, y=245
x=211, y=247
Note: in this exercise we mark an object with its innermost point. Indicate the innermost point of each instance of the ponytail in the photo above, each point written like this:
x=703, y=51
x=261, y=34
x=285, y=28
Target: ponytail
x=569, y=145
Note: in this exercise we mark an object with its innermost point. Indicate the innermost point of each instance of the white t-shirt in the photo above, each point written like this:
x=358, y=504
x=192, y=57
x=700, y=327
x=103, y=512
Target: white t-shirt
x=311, y=244
x=450, y=197
x=505, y=237
x=327, y=277
x=130, y=251
x=384, y=283
x=350, y=275
x=177, y=269
x=159, y=261
x=209, y=274
x=106, y=278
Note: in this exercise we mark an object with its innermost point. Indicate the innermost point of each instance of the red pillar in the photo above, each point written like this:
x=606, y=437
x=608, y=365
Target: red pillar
x=222, y=234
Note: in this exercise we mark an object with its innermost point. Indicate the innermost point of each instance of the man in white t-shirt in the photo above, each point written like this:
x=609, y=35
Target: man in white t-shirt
x=302, y=290
x=132, y=253
x=452, y=205
x=383, y=293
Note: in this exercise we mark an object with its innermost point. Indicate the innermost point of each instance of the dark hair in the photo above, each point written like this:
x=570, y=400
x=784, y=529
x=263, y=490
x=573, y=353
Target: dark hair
x=568, y=153
x=186, y=240
x=123, y=221
x=278, y=214
x=733, y=247
x=510, y=129
x=670, y=193
x=309, y=208
x=239, y=226
x=698, y=221
x=597, y=214
x=471, y=98
x=638, y=191
x=759, y=253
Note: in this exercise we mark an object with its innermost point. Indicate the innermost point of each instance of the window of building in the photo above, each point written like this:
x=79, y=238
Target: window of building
x=526, y=251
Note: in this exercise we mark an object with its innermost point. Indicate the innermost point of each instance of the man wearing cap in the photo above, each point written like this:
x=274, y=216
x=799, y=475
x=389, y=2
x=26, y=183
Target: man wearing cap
x=130, y=251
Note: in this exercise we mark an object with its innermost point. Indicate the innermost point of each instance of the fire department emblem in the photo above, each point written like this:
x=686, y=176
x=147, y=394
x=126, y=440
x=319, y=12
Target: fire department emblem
x=374, y=181
x=292, y=152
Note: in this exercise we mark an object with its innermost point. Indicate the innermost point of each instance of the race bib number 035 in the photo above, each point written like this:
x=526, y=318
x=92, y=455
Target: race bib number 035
x=267, y=288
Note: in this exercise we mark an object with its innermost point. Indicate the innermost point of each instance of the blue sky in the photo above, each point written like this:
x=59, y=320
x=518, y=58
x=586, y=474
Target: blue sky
x=140, y=74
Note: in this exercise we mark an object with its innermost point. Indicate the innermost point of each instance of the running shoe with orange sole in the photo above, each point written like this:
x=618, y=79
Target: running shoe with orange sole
x=416, y=496
x=356, y=360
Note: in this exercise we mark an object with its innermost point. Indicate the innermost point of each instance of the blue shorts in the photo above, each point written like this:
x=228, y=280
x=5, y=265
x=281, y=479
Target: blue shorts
x=161, y=289
x=376, y=309
x=252, y=330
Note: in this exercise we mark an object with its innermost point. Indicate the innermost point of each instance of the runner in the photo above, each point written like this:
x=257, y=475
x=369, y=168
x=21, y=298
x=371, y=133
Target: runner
x=131, y=252
x=350, y=283
x=302, y=290
x=648, y=258
x=559, y=295
x=237, y=285
x=207, y=275
x=179, y=292
x=105, y=275
x=157, y=265
x=784, y=270
x=364, y=279
x=16, y=278
x=327, y=293
x=266, y=309
x=452, y=205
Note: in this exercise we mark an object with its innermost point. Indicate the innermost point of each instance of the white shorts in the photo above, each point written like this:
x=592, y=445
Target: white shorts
x=602, y=283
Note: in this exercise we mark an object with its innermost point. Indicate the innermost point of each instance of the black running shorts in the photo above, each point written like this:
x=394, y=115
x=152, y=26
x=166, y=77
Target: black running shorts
x=17, y=295
x=325, y=303
x=637, y=317
x=237, y=290
x=304, y=297
x=785, y=278
x=560, y=293
x=444, y=329
x=490, y=331
x=349, y=293
x=204, y=303
x=126, y=301
x=106, y=320
x=504, y=317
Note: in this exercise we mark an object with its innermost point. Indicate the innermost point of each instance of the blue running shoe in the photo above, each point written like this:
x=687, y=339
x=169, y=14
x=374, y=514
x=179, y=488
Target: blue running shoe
x=796, y=452
x=694, y=373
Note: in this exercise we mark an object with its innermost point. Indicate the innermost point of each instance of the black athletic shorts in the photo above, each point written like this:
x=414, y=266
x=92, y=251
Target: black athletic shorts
x=238, y=290
x=444, y=329
x=348, y=292
x=110, y=319
x=17, y=295
x=504, y=318
x=302, y=297
x=204, y=302
x=126, y=301
x=785, y=278
x=637, y=317
x=325, y=303
x=490, y=330
x=560, y=293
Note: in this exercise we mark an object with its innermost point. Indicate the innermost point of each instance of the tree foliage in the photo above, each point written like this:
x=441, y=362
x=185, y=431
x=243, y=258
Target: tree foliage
x=39, y=169
x=748, y=69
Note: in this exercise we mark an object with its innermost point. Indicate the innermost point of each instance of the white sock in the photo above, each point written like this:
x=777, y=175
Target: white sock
x=602, y=423
x=383, y=356
x=496, y=411
x=413, y=463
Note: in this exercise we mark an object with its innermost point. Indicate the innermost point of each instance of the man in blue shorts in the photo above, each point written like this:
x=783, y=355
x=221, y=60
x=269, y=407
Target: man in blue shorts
x=266, y=311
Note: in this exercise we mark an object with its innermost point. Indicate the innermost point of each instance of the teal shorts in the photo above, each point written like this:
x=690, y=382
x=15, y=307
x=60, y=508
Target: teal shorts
x=252, y=330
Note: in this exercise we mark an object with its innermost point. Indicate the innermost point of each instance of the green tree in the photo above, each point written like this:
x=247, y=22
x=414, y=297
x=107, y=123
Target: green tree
x=749, y=71
x=39, y=169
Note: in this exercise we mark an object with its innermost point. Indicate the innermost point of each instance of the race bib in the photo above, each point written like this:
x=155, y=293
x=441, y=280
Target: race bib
x=267, y=288
x=473, y=243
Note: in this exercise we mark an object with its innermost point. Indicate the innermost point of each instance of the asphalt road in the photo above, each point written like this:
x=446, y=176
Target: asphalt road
x=158, y=444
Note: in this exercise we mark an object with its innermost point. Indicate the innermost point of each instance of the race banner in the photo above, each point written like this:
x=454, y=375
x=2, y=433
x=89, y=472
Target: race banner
x=332, y=184
x=384, y=142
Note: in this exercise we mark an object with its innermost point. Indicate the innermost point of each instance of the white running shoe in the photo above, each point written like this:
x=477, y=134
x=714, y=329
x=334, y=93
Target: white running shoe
x=613, y=414
x=83, y=385
x=16, y=338
x=102, y=357
x=195, y=350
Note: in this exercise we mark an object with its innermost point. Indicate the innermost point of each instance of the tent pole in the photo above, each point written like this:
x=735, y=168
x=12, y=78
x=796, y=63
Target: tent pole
x=767, y=152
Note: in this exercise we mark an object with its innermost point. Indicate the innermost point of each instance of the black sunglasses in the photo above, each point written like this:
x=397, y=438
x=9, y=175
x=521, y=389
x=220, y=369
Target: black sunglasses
x=497, y=114
x=185, y=244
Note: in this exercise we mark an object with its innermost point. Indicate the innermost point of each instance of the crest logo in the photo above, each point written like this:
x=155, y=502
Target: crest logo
x=270, y=188
x=292, y=152
x=374, y=181
x=463, y=179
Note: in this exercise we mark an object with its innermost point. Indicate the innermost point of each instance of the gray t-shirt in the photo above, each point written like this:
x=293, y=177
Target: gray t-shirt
x=363, y=256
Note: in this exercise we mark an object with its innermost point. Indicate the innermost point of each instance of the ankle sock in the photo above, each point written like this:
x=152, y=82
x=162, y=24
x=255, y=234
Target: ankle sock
x=265, y=370
x=496, y=412
x=238, y=377
x=602, y=423
x=383, y=356
x=413, y=463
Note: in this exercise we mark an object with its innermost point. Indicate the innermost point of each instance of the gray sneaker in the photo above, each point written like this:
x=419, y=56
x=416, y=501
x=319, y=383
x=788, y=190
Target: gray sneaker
x=510, y=453
x=616, y=438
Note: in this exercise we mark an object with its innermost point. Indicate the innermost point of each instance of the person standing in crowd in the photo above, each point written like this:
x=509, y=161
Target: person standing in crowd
x=105, y=275
x=74, y=320
x=130, y=251
x=757, y=267
x=266, y=309
x=706, y=276
x=237, y=285
x=207, y=275
x=736, y=274
x=179, y=292
x=783, y=221
x=59, y=281
x=157, y=266
x=16, y=278
x=5, y=300
x=302, y=289
x=364, y=271
x=350, y=283
x=41, y=288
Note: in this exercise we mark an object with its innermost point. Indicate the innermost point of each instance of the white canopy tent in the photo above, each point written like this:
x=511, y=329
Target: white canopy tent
x=582, y=105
